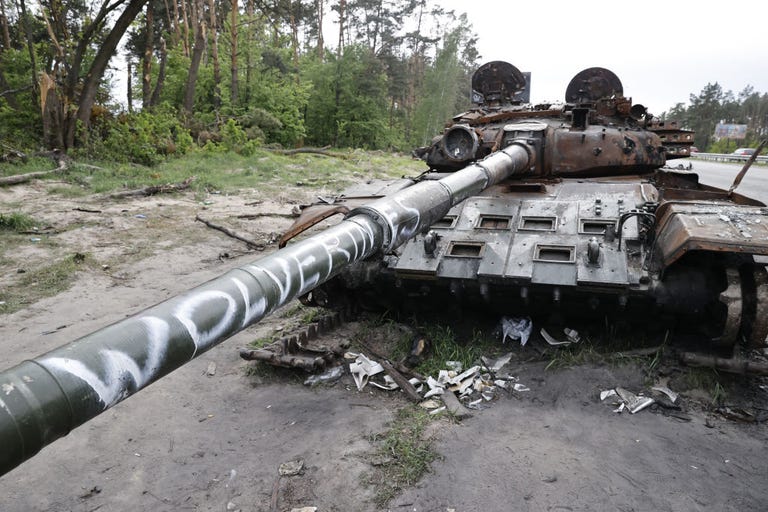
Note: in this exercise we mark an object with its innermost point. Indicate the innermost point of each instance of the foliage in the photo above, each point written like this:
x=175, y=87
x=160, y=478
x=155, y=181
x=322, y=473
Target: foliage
x=444, y=88
x=144, y=138
x=16, y=222
x=713, y=105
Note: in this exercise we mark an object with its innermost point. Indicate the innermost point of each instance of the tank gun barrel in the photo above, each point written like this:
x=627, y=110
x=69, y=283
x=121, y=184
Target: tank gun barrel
x=44, y=398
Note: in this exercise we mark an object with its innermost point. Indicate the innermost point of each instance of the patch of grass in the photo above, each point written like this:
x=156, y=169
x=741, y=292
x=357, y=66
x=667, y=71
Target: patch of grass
x=16, y=222
x=403, y=454
x=42, y=282
x=225, y=172
x=583, y=352
x=33, y=164
x=446, y=346
x=707, y=380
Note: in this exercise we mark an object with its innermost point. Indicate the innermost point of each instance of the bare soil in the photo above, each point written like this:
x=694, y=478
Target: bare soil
x=195, y=441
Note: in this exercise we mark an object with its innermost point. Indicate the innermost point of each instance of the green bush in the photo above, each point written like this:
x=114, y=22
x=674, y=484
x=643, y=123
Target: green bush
x=144, y=138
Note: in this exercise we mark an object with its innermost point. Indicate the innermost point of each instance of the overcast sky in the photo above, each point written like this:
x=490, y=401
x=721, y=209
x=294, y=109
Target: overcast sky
x=661, y=50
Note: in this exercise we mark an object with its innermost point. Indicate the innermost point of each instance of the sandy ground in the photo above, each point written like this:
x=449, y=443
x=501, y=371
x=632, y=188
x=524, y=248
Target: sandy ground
x=214, y=443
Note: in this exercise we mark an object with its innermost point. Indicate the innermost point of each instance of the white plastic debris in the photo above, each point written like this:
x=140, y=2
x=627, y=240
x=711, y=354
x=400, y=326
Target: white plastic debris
x=437, y=411
x=665, y=390
x=362, y=369
x=520, y=387
x=436, y=391
x=516, y=329
x=388, y=385
x=634, y=402
x=572, y=336
x=550, y=340
x=607, y=394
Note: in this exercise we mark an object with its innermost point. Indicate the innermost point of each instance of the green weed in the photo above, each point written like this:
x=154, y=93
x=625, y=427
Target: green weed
x=403, y=454
x=16, y=222
x=42, y=282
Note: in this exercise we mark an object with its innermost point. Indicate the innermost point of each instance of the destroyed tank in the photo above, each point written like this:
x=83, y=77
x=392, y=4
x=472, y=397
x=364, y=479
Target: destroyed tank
x=560, y=207
x=595, y=226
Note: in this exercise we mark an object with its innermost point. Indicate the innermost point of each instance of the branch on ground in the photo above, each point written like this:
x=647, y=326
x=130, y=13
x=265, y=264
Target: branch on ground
x=315, y=151
x=23, y=178
x=230, y=233
x=153, y=189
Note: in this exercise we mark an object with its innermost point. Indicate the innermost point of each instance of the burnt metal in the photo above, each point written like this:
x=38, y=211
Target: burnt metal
x=596, y=226
x=295, y=351
x=496, y=82
x=593, y=84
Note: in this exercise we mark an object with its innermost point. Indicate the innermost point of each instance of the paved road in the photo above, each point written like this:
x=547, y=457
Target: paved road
x=718, y=174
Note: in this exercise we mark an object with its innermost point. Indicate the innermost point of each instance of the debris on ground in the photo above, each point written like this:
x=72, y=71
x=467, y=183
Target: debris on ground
x=627, y=400
x=666, y=391
x=455, y=407
x=362, y=369
x=291, y=468
x=329, y=376
x=572, y=336
x=516, y=329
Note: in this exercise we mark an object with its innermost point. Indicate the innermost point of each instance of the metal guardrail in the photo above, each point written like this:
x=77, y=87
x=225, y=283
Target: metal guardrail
x=728, y=157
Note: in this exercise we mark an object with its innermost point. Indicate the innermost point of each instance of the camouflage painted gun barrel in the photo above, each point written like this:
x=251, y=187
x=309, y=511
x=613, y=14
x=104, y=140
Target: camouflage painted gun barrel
x=45, y=398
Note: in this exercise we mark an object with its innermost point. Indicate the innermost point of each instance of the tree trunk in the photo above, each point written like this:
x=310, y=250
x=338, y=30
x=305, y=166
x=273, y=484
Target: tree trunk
x=4, y=27
x=320, y=40
x=186, y=25
x=146, y=67
x=160, y=75
x=214, y=35
x=233, y=59
x=194, y=65
x=342, y=15
x=129, y=81
x=176, y=28
x=52, y=113
x=249, y=12
x=98, y=66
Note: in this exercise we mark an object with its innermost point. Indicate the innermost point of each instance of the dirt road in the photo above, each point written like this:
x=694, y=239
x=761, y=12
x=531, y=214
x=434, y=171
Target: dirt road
x=195, y=441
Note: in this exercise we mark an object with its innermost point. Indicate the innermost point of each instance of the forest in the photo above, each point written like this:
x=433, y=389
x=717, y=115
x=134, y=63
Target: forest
x=239, y=74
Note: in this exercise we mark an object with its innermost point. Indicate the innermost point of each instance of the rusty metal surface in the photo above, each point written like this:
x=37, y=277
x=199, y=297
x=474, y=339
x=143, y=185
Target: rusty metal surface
x=685, y=226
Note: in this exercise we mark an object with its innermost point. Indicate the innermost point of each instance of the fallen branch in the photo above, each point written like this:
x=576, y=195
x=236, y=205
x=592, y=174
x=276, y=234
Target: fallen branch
x=86, y=210
x=249, y=216
x=23, y=178
x=230, y=233
x=401, y=381
x=154, y=189
x=733, y=365
x=314, y=151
